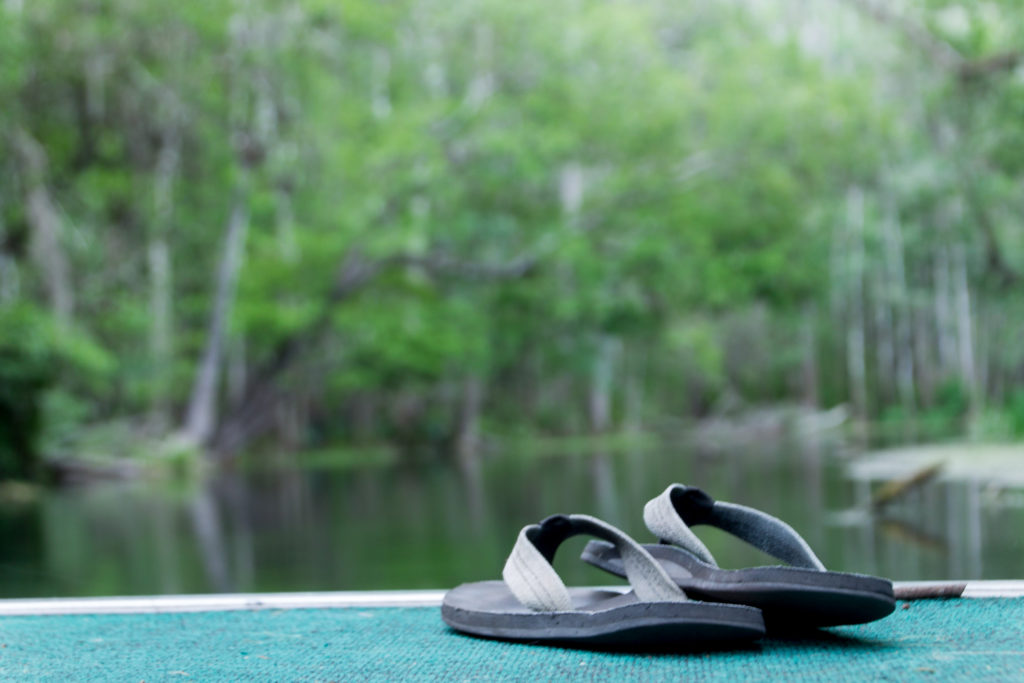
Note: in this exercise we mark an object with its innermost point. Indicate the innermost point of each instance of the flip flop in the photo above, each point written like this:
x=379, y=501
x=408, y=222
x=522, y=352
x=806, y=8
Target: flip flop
x=801, y=595
x=533, y=604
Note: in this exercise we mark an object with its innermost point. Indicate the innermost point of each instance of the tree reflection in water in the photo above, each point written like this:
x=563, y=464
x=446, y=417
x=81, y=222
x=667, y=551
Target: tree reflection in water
x=434, y=525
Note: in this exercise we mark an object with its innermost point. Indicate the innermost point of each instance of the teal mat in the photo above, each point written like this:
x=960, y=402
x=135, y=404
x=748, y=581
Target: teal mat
x=956, y=639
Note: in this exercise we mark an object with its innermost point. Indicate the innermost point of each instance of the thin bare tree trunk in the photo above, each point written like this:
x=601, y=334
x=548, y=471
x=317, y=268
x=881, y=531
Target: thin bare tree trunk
x=435, y=78
x=924, y=363
x=363, y=416
x=855, y=326
x=286, y=225
x=901, y=312
x=467, y=438
x=160, y=344
x=885, y=343
x=9, y=277
x=964, y=326
x=202, y=413
x=380, y=95
x=839, y=276
x=484, y=84
x=158, y=255
x=633, y=412
x=159, y=260
x=600, y=400
x=982, y=350
x=809, y=367
x=44, y=220
x=1000, y=374
x=943, y=329
x=571, y=186
x=254, y=118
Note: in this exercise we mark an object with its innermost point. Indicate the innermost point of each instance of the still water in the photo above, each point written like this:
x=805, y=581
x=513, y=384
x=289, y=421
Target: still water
x=433, y=526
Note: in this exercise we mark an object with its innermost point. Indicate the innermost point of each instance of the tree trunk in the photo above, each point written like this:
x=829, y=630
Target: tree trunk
x=885, y=340
x=633, y=409
x=9, y=284
x=901, y=312
x=571, y=186
x=600, y=399
x=965, y=334
x=380, y=94
x=286, y=226
x=202, y=409
x=467, y=436
x=158, y=259
x=809, y=367
x=483, y=85
x=925, y=361
x=44, y=220
x=855, y=325
x=944, y=338
x=982, y=345
x=362, y=415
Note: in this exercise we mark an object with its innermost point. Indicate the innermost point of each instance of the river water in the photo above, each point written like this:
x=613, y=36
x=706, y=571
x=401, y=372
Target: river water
x=434, y=525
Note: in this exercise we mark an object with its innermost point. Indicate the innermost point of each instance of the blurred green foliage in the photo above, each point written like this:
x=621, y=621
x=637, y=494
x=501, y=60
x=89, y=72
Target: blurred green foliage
x=485, y=216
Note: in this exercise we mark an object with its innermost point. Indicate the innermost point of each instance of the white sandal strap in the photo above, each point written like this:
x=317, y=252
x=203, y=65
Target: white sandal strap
x=534, y=582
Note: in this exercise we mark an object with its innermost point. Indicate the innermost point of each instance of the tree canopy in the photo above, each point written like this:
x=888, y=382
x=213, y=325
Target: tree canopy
x=301, y=221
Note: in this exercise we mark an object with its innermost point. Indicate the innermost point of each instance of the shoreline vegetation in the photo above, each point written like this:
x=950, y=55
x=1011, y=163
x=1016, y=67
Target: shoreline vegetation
x=117, y=452
x=427, y=230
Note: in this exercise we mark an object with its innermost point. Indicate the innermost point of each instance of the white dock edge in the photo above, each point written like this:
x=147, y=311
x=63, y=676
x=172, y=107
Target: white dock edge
x=220, y=602
x=253, y=601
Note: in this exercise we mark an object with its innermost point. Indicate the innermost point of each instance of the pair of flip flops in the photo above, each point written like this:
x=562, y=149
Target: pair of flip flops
x=679, y=596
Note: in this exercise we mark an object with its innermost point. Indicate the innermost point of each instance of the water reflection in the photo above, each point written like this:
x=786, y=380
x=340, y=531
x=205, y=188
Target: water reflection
x=428, y=526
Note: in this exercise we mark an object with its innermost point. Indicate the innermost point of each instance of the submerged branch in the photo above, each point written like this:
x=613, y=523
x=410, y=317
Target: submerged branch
x=896, y=489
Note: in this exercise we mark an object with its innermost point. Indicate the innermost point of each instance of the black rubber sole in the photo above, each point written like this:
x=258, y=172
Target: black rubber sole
x=604, y=619
x=790, y=598
x=792, y=608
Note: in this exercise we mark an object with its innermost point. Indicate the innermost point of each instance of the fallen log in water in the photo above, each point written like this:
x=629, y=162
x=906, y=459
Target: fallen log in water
x=72, y=471
x=897, y=488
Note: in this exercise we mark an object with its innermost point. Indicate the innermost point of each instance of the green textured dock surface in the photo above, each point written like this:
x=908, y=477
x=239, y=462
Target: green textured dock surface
x=928, y=640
